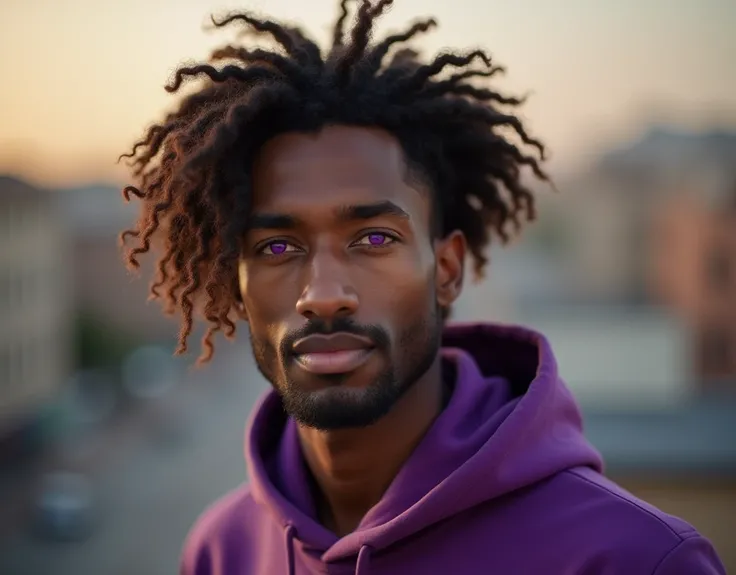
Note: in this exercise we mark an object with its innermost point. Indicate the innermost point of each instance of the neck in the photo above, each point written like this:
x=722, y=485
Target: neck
x=353, y=468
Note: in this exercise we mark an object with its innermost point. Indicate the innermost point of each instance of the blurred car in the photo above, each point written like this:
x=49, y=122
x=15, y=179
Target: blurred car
x=64, y=507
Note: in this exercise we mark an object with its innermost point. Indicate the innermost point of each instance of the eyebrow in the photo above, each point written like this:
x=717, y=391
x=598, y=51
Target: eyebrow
x=371, y=211
x=348, y=213
x=264, y=221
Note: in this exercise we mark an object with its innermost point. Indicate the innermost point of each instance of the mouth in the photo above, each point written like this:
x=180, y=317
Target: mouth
x=333, y=362
x=332, y=354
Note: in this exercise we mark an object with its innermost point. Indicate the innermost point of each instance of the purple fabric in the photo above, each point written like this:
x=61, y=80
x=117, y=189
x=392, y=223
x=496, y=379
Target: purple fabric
x=503, y=482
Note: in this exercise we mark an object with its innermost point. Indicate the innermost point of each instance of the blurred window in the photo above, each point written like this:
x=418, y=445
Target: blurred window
x=720, y=263
x=717, y=352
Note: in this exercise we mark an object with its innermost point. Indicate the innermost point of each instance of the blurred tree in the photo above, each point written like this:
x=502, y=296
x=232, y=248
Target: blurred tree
x=551, y=235
x=99, y=344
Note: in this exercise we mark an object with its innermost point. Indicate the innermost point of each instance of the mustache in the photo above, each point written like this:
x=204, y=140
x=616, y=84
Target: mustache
x=378, y=336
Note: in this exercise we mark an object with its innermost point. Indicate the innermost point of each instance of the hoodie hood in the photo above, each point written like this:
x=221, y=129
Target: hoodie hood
x=510, y=423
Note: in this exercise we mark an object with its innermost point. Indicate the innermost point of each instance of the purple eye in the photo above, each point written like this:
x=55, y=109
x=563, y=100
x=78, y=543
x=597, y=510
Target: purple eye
x=277, y=248
x=377, y=239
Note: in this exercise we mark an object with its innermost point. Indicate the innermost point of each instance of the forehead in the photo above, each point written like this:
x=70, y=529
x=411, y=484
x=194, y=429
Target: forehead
x=339, y=164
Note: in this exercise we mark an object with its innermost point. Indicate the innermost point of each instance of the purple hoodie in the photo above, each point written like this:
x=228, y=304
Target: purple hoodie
x=503, y=482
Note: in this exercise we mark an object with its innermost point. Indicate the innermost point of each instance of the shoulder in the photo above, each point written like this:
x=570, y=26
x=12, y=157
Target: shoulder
x=620, y=507
x=224, y=520
x=693, y=555
x=222, y=515
x=634, y=534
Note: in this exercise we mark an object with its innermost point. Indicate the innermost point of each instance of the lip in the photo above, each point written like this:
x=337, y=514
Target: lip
x=331, y=343
x=331, y=354
x=333, y=362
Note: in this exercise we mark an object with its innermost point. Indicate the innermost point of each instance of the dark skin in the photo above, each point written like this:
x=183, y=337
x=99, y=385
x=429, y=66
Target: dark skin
x=328, y=270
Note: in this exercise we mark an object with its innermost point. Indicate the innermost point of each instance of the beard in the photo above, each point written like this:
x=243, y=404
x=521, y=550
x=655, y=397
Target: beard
x=341, y=406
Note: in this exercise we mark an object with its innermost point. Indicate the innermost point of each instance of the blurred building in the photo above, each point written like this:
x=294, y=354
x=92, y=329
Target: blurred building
x=35, y=302
x=606, y=215
x=515, y=276
x=652, y=224
x=610, y=353
x=104, y=289
x=619, y=357
x=695, y=275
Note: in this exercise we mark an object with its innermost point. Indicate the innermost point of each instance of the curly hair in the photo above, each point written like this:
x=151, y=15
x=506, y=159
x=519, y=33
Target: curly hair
x=192, y=170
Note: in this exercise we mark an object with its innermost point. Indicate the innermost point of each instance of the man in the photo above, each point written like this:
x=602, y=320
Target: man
x=330, y=202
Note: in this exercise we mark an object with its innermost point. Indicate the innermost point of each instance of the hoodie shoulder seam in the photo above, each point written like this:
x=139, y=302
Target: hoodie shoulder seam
x=675, y=549
x=681, y=536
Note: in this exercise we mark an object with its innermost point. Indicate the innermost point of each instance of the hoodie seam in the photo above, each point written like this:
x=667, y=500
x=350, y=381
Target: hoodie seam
x=667, y=556
x=681, y=536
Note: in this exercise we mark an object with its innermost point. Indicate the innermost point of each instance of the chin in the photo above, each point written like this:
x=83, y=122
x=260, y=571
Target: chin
x=362, y=377
x=341, y=407
x=340, y=401
x=329, y=384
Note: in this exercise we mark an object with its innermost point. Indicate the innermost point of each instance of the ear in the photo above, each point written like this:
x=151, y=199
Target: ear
x=240, y=310
x=449, y=267
x=238, y=297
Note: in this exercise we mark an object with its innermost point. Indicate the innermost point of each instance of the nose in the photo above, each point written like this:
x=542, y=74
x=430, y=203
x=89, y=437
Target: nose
x=328, y=292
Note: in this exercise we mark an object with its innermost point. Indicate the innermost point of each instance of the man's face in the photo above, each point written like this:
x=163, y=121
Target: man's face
x=340, y=277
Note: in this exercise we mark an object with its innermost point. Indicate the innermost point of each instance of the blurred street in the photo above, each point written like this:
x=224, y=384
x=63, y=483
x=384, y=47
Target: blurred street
x=153, y=490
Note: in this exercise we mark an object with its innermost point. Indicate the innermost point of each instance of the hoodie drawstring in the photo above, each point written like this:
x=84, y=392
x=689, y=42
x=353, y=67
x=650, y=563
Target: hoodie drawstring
x=289, y=536
x=364, y=558
x=361, y=566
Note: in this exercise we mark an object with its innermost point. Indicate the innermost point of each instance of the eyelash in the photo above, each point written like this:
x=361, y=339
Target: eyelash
x=392, y=239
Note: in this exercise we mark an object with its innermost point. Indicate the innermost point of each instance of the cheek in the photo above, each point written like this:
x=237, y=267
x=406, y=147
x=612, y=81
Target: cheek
x=267, y=300
x=406, y=287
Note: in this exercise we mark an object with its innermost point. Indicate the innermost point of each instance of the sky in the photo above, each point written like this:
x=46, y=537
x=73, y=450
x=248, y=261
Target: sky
x=81, y=79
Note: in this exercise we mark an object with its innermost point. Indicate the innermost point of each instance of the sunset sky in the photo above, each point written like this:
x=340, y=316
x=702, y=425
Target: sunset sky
x=82, y=78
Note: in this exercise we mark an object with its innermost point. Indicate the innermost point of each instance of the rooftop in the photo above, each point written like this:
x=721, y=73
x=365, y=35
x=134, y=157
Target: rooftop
x=699, y=438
